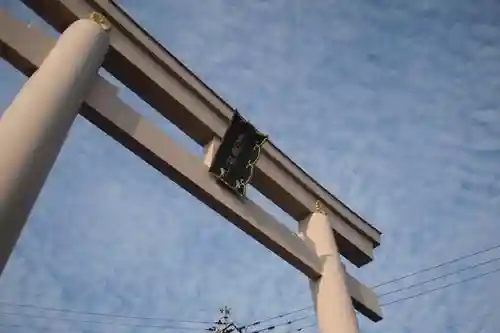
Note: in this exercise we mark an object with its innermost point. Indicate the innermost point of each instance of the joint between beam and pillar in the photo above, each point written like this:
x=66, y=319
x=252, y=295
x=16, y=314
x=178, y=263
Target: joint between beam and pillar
x=210, y=149
x=101, y=20
x=319, y=207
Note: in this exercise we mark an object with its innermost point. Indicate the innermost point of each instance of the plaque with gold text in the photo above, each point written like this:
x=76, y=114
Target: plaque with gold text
x=237, y=154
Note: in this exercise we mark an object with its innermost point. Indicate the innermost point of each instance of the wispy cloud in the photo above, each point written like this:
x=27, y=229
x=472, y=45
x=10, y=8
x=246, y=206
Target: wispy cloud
x=392, y=105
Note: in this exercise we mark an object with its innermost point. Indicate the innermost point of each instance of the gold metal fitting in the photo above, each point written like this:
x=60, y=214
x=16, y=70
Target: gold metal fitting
x=319, y=208
x=101, y=20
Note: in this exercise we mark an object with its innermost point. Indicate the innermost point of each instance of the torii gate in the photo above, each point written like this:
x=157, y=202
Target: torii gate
x=98, y=33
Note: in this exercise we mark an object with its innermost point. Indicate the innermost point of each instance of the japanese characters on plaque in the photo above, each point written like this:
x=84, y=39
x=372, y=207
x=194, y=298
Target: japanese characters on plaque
x=237, y=154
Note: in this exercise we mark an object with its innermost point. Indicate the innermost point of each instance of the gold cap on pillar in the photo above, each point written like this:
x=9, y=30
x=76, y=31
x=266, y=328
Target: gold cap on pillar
x=101, y=20
x=319, y=208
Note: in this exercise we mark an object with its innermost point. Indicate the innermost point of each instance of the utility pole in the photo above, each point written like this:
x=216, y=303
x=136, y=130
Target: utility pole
x=224, y=324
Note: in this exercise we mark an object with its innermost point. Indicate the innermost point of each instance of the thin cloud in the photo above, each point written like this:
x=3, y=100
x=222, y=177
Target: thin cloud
x=392, y=107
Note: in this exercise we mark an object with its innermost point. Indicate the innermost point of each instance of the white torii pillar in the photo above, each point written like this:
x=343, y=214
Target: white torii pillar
x=333, y=305
x=34, y=127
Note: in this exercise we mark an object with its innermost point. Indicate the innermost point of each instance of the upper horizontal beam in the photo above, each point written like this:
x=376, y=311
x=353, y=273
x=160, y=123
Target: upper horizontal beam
x=158, y=78
x=26, y=48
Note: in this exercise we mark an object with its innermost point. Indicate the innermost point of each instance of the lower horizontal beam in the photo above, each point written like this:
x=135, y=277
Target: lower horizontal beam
x=26, y=47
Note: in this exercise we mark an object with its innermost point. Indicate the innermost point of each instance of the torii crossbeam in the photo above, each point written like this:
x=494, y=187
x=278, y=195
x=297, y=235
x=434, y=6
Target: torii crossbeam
x=124, y=49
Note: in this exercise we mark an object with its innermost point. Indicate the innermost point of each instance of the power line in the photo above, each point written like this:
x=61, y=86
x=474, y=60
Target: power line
x=113, y=315
x=414, y=285
x=289, y=322
x=270, y=328
x=45, y=329
x=409, y=297
x=437, y=266
x=439, y=277
x=224, y=324
x=166, y=327
x=300, y=329
x=278, y=316
x=442, y=287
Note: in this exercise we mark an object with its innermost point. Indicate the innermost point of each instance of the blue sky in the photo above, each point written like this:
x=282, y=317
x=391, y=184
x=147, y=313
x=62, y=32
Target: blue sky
x=392, y=105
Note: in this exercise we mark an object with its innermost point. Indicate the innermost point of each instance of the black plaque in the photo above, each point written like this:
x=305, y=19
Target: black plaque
x=237, y=154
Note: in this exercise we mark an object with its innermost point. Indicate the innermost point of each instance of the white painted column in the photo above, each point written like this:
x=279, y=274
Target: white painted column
x=334, y=310
x=35, y=125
